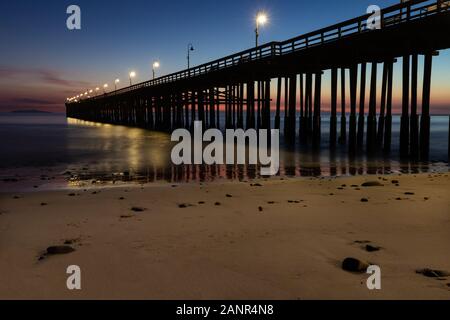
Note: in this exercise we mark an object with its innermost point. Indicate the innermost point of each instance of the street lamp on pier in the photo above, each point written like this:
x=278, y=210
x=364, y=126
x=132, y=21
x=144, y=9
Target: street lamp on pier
x=155, y=66
x=190, y=48
x=132, y=75
x=261, y=19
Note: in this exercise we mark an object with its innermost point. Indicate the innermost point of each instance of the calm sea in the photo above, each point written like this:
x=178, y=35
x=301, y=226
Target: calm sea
x=50, y=151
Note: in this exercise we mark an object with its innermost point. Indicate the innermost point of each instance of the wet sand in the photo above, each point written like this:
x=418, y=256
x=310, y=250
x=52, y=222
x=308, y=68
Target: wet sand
x=277, y=239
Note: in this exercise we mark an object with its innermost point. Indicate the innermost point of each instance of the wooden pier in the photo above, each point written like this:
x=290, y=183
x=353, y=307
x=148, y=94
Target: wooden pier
x=240, y=85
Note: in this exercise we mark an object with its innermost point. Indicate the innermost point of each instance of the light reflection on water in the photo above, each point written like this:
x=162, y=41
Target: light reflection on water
x=43, y=148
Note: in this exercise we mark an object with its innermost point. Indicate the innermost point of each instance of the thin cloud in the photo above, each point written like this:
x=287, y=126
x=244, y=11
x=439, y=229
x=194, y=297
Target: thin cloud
x=33, y=101
x=47, y=76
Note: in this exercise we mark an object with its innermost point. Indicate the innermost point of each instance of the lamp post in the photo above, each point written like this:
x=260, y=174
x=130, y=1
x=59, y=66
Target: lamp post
x=190, y=48
x=155, y=66
x=132, y=75
x=261, y=19
x=105, y=86
x=115, y=84
x=97, y=90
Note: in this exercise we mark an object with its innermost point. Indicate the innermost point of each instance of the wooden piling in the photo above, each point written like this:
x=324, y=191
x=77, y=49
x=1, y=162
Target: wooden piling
x=371, y=117
x=381, y=118
x=251, y=105
x=317, y=106
x=212, y=113
x=404, y=122
x=278, y=107
x=343, y=134
x=425, y=116
x=388, y=119
x=333, y=117
x=352, y=120
x=292, y=105
x=414, y=120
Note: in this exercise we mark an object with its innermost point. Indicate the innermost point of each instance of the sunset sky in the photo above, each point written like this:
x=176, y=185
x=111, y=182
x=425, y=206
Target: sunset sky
x=42, y=62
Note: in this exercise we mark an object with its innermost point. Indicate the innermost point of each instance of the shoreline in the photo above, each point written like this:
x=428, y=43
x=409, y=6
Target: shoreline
x=56, y=178
x=274, y=239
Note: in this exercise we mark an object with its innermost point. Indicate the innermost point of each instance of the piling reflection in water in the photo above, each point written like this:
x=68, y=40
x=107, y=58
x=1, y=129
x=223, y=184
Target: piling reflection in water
x=119, y=153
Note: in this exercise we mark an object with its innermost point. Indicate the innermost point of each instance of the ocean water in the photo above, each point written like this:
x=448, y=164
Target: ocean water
x=51, y=151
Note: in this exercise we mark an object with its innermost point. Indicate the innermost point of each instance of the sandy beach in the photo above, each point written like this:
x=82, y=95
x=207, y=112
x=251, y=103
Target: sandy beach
x=277, y=239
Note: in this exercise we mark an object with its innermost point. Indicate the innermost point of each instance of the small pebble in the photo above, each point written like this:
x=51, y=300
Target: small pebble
x=137, y=209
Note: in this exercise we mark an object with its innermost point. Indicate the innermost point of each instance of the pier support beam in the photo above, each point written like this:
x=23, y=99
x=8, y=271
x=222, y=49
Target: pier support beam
x=292, y=105
x=388, y=120
x=251, y=105
x=277, y=112
x=267, y=104
x=352, y=121
x=404, y=122
x=212, y=113
x=302, y=126
x=414, y=120
x=343, y=135
x=362, y=101
x=317, y=106
x=381, y=118
x=371, y=118
x=425, y=116
x=240, y=123
x=333, y=117
x=286, y=101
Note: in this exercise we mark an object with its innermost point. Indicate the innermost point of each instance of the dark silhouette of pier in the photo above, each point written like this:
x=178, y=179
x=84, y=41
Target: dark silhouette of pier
x=241, y=85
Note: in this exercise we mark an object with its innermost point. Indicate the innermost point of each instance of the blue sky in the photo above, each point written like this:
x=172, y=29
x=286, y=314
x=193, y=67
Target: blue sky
x=42, y=61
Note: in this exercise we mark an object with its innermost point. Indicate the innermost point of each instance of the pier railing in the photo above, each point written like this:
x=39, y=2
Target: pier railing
x=391, y=16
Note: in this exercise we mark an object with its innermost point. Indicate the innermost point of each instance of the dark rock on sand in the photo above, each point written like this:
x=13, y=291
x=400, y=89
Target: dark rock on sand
x=409, y=193
x=60, y=250
x=364, y=200
x=217, y=204
x=71, y=194
x=433, y=273
x=43, y=204
x=354, y=265
x=395, y=182
x=184, y=205
x=126, y=216
x=256, y=185
x=121, y=198
x=260, y=209
x=371, y=248
x=71, y=241
x=137, y=209
x=229, y=196
x=372, y=184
